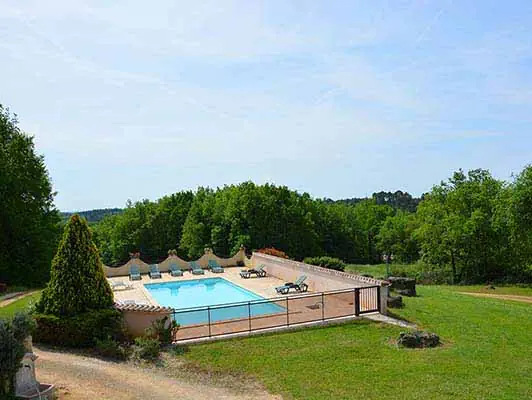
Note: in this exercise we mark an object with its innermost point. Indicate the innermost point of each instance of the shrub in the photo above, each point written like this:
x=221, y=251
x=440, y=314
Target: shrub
x=12, y=336
x=81, y=330
x=273, y=252
x=326, y=262
x=146, y=348
x=77, y=281
x=3, y=287
x=418, y=339
x=163, y=329
x=111, y=348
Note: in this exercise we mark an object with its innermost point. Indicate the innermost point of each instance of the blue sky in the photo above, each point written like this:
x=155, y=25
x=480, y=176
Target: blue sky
x=135, y=99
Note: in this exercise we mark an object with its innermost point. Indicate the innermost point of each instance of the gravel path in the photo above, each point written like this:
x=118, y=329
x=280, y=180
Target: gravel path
x=524, y=299
x=15, y=297
x=81, y=377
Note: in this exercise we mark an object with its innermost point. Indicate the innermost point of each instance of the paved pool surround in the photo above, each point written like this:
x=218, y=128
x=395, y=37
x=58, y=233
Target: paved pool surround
x=279, y=271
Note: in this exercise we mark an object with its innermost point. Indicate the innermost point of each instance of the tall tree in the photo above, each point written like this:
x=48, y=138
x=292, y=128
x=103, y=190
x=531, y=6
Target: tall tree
x=77, y=283
x=458, y=226
x=396, y=237
x=29, y=222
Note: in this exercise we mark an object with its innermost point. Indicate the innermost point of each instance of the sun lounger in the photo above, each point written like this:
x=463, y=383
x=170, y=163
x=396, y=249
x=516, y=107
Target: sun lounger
x=258, y=272
x=298, y=285
x=196, y=269
x=134, y=302
x=119, y=285
x=154, y=272
x=214, y=267
x=174, y=270
x=134, y=273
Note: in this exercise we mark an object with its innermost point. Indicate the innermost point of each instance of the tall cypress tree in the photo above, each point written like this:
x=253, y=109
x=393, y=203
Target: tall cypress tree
x=77, y=282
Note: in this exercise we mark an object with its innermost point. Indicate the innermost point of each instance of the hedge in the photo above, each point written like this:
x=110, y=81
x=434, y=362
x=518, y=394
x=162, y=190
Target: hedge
x=326, y=262
x=82, y=330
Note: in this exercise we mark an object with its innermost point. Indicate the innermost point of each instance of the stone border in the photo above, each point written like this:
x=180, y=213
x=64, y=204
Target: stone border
x=331, y=272
x=164, y=266
x=143, y=308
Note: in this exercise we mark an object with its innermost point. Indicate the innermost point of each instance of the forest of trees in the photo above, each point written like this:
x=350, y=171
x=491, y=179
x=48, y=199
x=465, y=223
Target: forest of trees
x=473, y=226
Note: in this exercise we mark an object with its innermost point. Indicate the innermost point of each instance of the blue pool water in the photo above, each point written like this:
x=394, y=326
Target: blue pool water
x=209, y=292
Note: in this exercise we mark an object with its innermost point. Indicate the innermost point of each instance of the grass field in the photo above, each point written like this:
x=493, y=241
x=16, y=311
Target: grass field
x=19, y=305
x=486, y=354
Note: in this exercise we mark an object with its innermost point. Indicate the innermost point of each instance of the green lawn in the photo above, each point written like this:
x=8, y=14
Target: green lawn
x=19, y=305
x=486, y=354
x=377, y=271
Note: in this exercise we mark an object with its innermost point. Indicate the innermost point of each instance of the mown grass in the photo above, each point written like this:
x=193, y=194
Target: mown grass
x=10, y=310
x=486, y=354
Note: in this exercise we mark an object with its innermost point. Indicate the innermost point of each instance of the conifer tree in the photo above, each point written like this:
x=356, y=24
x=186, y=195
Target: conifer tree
x=77, y=281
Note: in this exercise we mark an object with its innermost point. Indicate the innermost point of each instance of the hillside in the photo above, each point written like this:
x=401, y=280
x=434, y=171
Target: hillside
x=92, y=216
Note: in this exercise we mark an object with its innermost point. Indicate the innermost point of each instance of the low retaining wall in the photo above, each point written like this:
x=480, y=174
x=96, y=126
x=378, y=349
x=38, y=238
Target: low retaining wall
x=137, y=318
x=239, y=257
x=319, y=279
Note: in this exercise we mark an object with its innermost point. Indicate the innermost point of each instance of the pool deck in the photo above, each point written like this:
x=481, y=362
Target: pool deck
x=264, y=287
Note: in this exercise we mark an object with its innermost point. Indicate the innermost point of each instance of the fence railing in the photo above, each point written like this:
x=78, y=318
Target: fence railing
x=201, y=322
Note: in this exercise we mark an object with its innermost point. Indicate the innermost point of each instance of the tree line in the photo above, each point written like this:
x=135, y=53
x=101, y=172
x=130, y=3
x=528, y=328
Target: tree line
x=473, y=227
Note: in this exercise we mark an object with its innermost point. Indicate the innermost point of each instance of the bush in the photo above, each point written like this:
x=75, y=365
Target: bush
x=146, y=348
x=163, y=329
x=111, y=348
x=12, y=336
x=3, y=287
x=418, y=339
x=273, y=252
x=326, y=262
x=80, y=331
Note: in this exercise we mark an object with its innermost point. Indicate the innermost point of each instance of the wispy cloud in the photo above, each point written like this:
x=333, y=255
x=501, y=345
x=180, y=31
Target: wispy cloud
x=307, y=94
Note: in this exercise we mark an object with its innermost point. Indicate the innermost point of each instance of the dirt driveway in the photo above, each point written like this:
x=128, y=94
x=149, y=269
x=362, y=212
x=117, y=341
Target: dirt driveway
x=81, y=377
x=524, y=299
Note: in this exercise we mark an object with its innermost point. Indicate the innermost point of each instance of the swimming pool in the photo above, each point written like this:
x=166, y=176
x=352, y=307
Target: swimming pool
x=209, y=292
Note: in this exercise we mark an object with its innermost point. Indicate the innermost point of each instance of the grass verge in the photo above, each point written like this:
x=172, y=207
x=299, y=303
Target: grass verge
x=19, y=305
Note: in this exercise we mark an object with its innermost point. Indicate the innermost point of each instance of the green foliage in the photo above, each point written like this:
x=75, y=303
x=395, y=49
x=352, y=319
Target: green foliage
x=164, y=329
x=326, y=262
x=396, y=237
x=12, y=336
x=81, y=330
x=457, y=227
x=29, y=223
x=145, y=227
x=146, y=348
x=369, y=218
x=77, y=282
x=398, y=200
x=111, y=348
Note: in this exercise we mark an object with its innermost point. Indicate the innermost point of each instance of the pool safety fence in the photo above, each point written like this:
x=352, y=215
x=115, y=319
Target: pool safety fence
x=284, y=311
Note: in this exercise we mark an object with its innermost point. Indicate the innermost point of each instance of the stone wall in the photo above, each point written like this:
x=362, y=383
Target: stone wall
x=239, y=257
x=137, y=318
x=319, y=279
